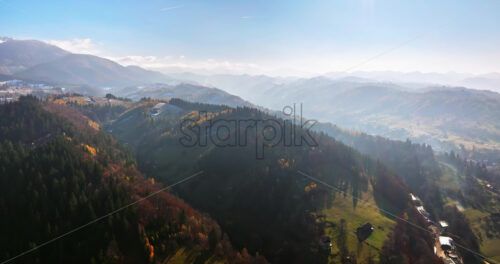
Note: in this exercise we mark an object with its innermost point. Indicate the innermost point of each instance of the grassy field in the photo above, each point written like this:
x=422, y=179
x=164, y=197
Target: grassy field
x=342, y=208
x=450, y=177
x=489, y=246
x=438, y=132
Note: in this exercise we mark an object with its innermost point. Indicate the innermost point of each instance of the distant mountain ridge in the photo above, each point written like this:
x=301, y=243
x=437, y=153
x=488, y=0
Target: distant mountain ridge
x=90, y=70
x=445, y=116
x=488, y=81
x=188, y=92
x=38, y=61
x=18, y=55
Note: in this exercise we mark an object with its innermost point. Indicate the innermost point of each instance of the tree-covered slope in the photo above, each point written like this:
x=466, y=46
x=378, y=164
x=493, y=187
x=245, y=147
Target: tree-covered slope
x=59, y=172
x=264, y=203
x=445, y=182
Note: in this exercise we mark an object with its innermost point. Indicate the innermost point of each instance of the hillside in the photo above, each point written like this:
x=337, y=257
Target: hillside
x=246, y=86
x=239, y=187
x=249, y=132
x=18, y=55
x=184, y=91
x=38, y=62
x=90, y=70
x=445, y=117
x=451, y=188
x=69, y=174
x=473, y=190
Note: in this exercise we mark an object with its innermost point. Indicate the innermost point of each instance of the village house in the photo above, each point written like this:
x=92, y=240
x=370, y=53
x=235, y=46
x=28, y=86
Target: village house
x=448, y=247
x=364, y=231
x=325, y=243
x=443, y=225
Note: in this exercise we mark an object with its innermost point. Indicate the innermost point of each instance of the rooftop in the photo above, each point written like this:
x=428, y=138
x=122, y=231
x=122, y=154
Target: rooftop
x=445, y=241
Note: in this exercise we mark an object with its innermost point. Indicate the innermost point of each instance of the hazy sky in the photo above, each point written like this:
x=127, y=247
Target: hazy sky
x=274, y=37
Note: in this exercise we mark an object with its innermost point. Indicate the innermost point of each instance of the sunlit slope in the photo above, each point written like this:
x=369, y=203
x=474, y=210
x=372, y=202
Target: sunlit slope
x=263, y=203
x=80, y=192
x=342, y=210
x=470, y=195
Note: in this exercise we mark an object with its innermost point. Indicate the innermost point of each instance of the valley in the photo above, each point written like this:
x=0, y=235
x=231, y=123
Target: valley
x=108, y=163
x=330, y=213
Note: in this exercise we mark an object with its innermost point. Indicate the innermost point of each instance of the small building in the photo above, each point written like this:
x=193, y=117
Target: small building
x=364, y=231
x=415, y=200
x=157, y=109
x=446, y=243
x=325, y=243
x=423, y=212
x=448, y=246
x=443, y=224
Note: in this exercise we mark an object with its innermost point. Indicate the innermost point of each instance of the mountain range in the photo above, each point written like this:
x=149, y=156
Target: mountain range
x=486, y=81
x=73, y=173
x=241, y=209
x=76, y=158
x=185, y=91
x=448, y=117
x=37, y=61
x=89, y=70
x=19, y=55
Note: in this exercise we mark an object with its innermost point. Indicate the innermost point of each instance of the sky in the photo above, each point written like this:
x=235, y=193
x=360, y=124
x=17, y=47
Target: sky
x=269, y=37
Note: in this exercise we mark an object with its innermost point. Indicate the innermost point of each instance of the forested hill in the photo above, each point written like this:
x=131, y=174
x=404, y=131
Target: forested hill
x=67, y=156
x=445, y=182
x=58, y=172
x=265, y=204
x=415, y=163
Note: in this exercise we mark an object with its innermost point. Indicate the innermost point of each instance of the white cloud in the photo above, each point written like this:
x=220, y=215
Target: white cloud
x=167, y=63
x=143, y=61
x=181, y=63
x=246, y=17
x=77, y=45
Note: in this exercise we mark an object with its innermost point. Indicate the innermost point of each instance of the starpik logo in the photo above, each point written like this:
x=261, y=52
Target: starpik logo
x=286, y=129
